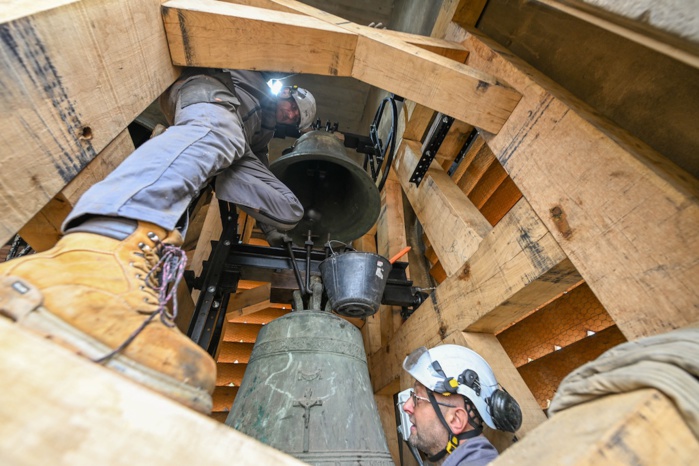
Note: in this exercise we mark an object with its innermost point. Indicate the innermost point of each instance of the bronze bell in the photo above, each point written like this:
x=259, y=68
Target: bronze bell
x=340, y=199
x=306, y=391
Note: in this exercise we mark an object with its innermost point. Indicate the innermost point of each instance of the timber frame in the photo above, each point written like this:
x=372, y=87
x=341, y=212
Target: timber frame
x=596, y=204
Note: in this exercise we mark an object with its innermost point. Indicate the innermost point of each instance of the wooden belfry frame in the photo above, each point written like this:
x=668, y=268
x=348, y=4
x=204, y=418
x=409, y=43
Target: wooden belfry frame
x=598, y=204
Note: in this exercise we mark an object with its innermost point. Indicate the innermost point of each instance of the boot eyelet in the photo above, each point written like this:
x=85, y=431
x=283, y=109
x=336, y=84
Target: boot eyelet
x=142, y=246
x=153, y=237
x=138, y=275
x=141, y=287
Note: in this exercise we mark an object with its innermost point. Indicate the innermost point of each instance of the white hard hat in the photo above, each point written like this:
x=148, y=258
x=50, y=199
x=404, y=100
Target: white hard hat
x=449, y=375
x=306, y=104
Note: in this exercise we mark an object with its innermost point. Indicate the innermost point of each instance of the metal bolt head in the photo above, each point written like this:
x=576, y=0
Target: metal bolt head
x=211, y=289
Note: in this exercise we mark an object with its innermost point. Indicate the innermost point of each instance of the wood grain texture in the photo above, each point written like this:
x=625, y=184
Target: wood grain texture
x=73, y=77
x=91, y=415
x=213, y=34
x=517, y=268
x=641, y=427
x=627, y=218
x=453, y=224
x=43, y=230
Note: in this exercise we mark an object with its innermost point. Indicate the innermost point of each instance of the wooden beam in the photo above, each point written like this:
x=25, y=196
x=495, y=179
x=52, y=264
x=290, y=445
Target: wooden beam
x=434, y=81
x=463, y=12
x=44, y=229
x=213, y=34
x=72, y=81
x=544, y=375
x=452, y=50
x=507, y=375
x=391, y=239
x=517, y=268
x=627, y=218
x=560, y=323
x=249, y=297
x=211, y=231
x=648, y=35
x=91, y=415
x=641, y=427
x=419, y=75
x=453, y=224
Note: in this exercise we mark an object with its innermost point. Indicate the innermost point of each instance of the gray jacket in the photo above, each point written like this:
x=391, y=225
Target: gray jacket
x=477, y=451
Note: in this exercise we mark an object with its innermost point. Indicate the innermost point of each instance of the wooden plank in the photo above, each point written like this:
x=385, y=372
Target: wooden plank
x=451, y=221
x=492, y=178
x=544, y=375
x=517, y=268
x=473, y=150
x=213, y=34
x=417, y=119
x=503, y=199
x=480, y=163
x=229, y=374
x=223, y=398
x=249, y=297
x=612, y=203
x=434, y=81
x=242, y=333
x=507, y=375
x=464, y=12
x=112, y=420
x=391, y=239
x=252, y=309
x=234, y=352
x=211, y=231
x=560, y=323
x=452, y=50
x=640, y=31
x=452, y=144
x=387, y=414
x=72, y=82
x=44, y=229
x=449, y=87
x=641, y=427
x=201, y=32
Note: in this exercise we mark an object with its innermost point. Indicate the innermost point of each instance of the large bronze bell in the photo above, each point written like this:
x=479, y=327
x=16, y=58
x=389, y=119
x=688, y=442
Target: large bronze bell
x=306, y=391
x=340, y=199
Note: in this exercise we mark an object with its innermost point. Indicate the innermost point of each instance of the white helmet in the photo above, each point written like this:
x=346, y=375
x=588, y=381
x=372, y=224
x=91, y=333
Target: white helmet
x=448, y=369
x=306, y=104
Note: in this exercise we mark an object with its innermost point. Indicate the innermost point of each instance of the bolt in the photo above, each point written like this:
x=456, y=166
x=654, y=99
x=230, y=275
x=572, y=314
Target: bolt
x=211, y=289
x=226, y=243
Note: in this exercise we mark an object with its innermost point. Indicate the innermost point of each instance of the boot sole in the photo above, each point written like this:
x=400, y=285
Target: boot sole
x=23, y=303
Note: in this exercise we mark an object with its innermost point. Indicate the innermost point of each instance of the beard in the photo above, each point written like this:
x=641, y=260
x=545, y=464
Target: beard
x=426, y=441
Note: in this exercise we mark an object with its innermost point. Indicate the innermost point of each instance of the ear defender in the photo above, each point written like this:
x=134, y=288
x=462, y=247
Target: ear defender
x=505, y=411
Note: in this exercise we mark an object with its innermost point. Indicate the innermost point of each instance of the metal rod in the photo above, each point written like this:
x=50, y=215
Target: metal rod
x=295, y=266
x=309, y=249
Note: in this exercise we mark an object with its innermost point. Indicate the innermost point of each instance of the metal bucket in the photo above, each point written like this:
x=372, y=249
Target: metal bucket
x=355, y=282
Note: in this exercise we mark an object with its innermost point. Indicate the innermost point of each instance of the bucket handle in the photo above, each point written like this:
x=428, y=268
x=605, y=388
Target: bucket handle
x=329, y=246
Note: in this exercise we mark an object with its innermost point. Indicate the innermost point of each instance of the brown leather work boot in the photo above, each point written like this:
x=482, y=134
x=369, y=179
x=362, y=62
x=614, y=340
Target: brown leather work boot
x=93, y=293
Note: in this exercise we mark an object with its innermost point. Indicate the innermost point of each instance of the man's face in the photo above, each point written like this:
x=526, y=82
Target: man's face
x=287, y=110
x=427, y=433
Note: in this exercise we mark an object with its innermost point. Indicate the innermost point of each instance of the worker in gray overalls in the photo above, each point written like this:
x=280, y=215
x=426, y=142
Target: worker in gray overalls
x=102, y=289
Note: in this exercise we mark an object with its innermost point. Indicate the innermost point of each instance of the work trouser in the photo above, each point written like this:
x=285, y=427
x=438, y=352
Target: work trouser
x=158, y=180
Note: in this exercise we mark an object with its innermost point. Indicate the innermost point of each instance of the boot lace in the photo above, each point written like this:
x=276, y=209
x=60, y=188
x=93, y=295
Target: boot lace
x=166, y=264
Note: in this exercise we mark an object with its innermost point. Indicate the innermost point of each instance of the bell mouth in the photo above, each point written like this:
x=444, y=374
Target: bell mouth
x=340, y=200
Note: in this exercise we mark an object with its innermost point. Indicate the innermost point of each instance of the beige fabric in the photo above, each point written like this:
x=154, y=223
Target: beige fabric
x=667, y=362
